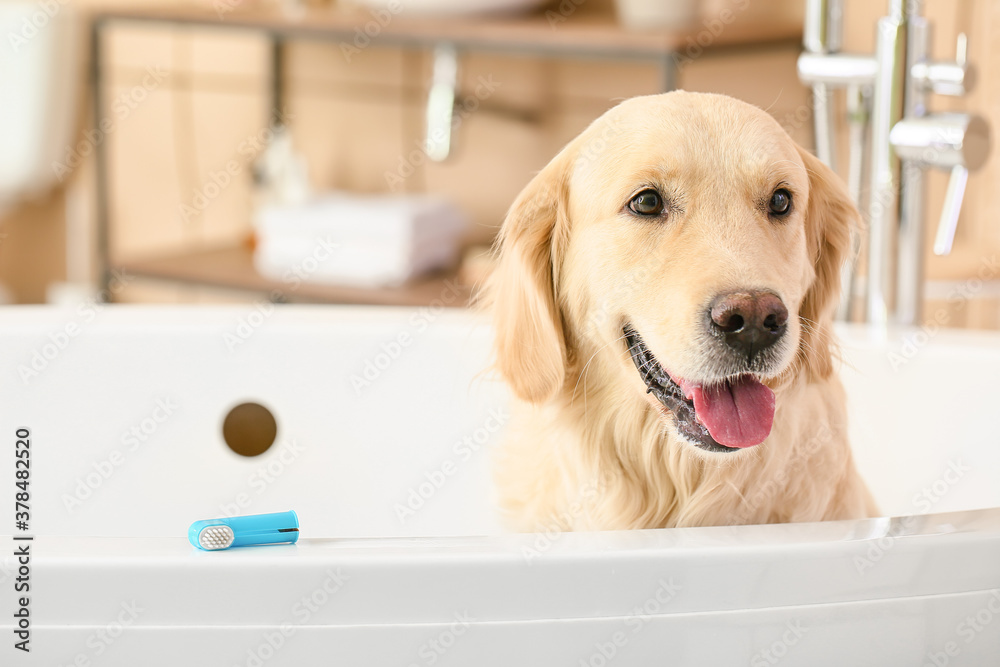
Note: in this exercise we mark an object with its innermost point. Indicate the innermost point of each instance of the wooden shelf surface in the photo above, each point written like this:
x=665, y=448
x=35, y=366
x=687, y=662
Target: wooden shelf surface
x=580, y=33
x=232, y=268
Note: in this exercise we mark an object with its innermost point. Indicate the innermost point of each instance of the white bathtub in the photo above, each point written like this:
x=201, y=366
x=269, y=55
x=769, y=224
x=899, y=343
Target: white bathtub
x=401, y=561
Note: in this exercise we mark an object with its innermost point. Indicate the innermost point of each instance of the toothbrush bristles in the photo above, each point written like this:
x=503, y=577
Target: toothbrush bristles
x=216, y=537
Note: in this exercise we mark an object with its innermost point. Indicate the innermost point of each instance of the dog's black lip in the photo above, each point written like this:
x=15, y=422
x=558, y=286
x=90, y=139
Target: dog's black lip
x=667, y=392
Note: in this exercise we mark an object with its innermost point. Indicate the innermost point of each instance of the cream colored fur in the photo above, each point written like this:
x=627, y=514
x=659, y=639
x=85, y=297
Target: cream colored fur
x=587, y=447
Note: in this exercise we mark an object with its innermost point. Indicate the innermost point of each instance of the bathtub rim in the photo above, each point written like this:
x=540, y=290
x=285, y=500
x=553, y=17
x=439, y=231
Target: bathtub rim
x=582, y=575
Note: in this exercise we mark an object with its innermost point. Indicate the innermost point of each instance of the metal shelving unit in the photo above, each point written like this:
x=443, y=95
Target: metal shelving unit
x=579, y=36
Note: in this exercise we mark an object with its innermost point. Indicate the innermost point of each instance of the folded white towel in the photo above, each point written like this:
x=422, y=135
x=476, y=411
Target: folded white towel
x=359, y=240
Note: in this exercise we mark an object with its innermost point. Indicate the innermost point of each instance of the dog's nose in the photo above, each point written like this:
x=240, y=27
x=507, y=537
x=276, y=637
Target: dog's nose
x=749, y=321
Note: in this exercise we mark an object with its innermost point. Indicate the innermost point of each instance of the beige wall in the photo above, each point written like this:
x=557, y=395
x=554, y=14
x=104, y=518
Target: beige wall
x=31, y=248
x=357, y=121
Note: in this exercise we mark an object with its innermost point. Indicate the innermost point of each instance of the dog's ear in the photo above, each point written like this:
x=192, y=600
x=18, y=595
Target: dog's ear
x=831, y=218
x=529, y=345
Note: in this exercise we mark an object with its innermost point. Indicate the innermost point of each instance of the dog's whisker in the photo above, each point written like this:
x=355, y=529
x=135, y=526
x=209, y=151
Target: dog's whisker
x=583, y=372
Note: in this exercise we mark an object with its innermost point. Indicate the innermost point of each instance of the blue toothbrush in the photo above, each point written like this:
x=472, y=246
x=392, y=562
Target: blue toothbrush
x=241, y=531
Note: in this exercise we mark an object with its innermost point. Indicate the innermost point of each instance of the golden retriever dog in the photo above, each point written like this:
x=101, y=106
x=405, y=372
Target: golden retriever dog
x=662, y=307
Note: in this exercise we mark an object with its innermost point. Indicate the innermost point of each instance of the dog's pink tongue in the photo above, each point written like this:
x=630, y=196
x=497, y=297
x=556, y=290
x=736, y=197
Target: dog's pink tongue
x=737, y=414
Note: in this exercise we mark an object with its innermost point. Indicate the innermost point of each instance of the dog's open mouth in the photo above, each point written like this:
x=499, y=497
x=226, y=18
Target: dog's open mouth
x=725, y=417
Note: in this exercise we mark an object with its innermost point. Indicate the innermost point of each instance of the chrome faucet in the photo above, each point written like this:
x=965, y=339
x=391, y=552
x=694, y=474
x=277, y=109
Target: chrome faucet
x=905, y=140
x=825, y=68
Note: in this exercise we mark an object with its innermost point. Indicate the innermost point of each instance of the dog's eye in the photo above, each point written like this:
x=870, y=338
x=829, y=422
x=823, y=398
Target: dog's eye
x=781, y=202
x=647, y=202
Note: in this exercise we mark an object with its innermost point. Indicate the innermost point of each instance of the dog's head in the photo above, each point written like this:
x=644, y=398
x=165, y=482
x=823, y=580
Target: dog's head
x=686, y=241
